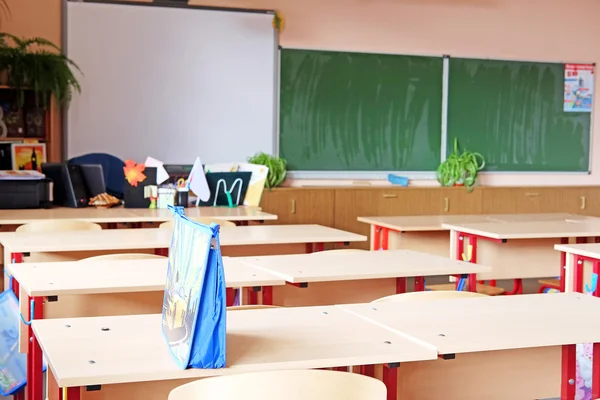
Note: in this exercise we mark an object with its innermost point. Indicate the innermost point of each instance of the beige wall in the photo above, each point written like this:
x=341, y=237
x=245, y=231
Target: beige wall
x=538, y=30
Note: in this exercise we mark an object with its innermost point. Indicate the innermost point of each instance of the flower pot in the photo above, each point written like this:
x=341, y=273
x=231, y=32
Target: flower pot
x=459, y=184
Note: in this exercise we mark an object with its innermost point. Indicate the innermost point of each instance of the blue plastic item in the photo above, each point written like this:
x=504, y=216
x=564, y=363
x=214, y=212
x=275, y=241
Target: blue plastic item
x=13, y=364
x=397, y=180
x=194, y=314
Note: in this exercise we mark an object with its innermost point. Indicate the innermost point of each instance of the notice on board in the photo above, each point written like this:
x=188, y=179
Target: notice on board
x=579, y=87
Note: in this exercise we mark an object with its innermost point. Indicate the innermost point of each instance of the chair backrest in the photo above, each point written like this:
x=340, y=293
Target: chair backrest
x=58, y=225
x=336, y=251
x=428, y=295
x=112, y=168
x=291, y=385
x=250, y=307
x=202, y=220
x=123, y=256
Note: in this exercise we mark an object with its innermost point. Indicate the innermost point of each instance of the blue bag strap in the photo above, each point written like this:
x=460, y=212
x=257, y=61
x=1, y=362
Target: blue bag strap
x=215, y=234
x=31, y=311
x=176, y=210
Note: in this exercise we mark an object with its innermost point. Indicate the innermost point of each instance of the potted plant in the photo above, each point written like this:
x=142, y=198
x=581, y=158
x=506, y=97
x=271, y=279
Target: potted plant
x=277, y=168
x=460, y=169
x=37, y=64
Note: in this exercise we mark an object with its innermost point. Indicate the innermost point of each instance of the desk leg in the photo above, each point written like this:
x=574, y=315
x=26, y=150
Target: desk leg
x=419, y=283
x=70, y=393
x=390, y=379
x=563, y=265
x=20, y=395
x=253, y=295
x=569, y=372
x=577, y=274
x=596, y=372
x=385, y=237
x=401, y=285
x=367, y=370
x=230, y=296
x=376, y=237
x=267, y=295
x=16, y=258
x=35, y=366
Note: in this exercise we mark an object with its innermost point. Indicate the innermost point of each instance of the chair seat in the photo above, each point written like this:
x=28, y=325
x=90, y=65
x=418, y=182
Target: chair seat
x=483, y=289
x=550, y=282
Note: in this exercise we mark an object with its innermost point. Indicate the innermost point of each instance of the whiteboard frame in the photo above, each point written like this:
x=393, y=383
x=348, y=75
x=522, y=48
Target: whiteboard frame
x=64, y=118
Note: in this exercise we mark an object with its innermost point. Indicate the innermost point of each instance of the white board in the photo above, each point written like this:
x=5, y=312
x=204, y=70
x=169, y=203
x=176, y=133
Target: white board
x=171, y=83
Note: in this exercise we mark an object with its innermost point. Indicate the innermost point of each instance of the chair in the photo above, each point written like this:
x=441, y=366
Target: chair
x=250, y=307
x=112, y=168
x=428, y=295
x=205, y=221
x=336, y=251
x=549, y=285
x=481, y=288
x=291, y=385
x=123, y=256
x=58, y=225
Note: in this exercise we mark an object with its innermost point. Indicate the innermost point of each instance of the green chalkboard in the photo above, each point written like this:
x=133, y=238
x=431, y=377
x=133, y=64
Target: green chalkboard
x=512, y=113
x=343, y=111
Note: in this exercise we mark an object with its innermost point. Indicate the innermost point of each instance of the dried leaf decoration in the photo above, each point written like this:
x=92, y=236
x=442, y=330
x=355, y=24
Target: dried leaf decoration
x=278, y=21
x=134, y=173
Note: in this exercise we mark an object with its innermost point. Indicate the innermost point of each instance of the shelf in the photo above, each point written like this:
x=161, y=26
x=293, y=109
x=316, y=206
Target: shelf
x=20, y=139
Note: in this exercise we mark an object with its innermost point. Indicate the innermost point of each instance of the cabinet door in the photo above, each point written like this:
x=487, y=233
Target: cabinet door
x=532, y=200
x=353, y=203
x=299, y=205
x=585, y=201
x=458, y=200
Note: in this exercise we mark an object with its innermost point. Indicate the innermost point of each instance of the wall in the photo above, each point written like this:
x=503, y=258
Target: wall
x=42, y=18
x=539, y=30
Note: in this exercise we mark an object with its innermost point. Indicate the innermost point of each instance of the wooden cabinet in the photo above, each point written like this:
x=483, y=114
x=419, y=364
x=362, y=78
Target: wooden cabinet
x=300, y=205
x=459, y=201
x=575, y=200
x=353, y=203
x=340, y=207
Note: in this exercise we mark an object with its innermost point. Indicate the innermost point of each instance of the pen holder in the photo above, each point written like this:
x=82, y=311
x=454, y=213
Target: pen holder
x=182, y=198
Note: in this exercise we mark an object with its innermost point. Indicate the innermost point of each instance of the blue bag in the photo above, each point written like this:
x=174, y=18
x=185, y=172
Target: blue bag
x=13, y=364
x=194, y=306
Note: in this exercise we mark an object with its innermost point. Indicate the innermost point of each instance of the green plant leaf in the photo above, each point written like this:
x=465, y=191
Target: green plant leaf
x=38, y=64
x=277, y=168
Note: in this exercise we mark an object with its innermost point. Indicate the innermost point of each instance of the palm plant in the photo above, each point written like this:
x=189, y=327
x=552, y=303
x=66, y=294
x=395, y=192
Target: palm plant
x=37, y=64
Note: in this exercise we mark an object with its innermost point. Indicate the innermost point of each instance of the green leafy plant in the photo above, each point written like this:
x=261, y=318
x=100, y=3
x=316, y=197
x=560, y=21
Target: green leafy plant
x=460, y=168
x=277, y=168
x=37, y=64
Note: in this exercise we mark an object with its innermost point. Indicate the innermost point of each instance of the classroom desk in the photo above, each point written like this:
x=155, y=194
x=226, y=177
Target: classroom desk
x=342, y=277
x=517, y=250
x=240, y=240
x=581, y=261
x=426, y=233
x=505, y=347
x=129, y=358
x=130, y=215
x=99, y=288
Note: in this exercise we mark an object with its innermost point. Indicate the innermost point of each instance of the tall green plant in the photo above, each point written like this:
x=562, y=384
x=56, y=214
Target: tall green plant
x=460, y=168
x=39, y=65
x=277, y=168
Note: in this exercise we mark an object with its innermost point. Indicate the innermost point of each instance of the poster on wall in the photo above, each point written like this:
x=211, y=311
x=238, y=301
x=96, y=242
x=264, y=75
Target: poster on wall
x=579, y=87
